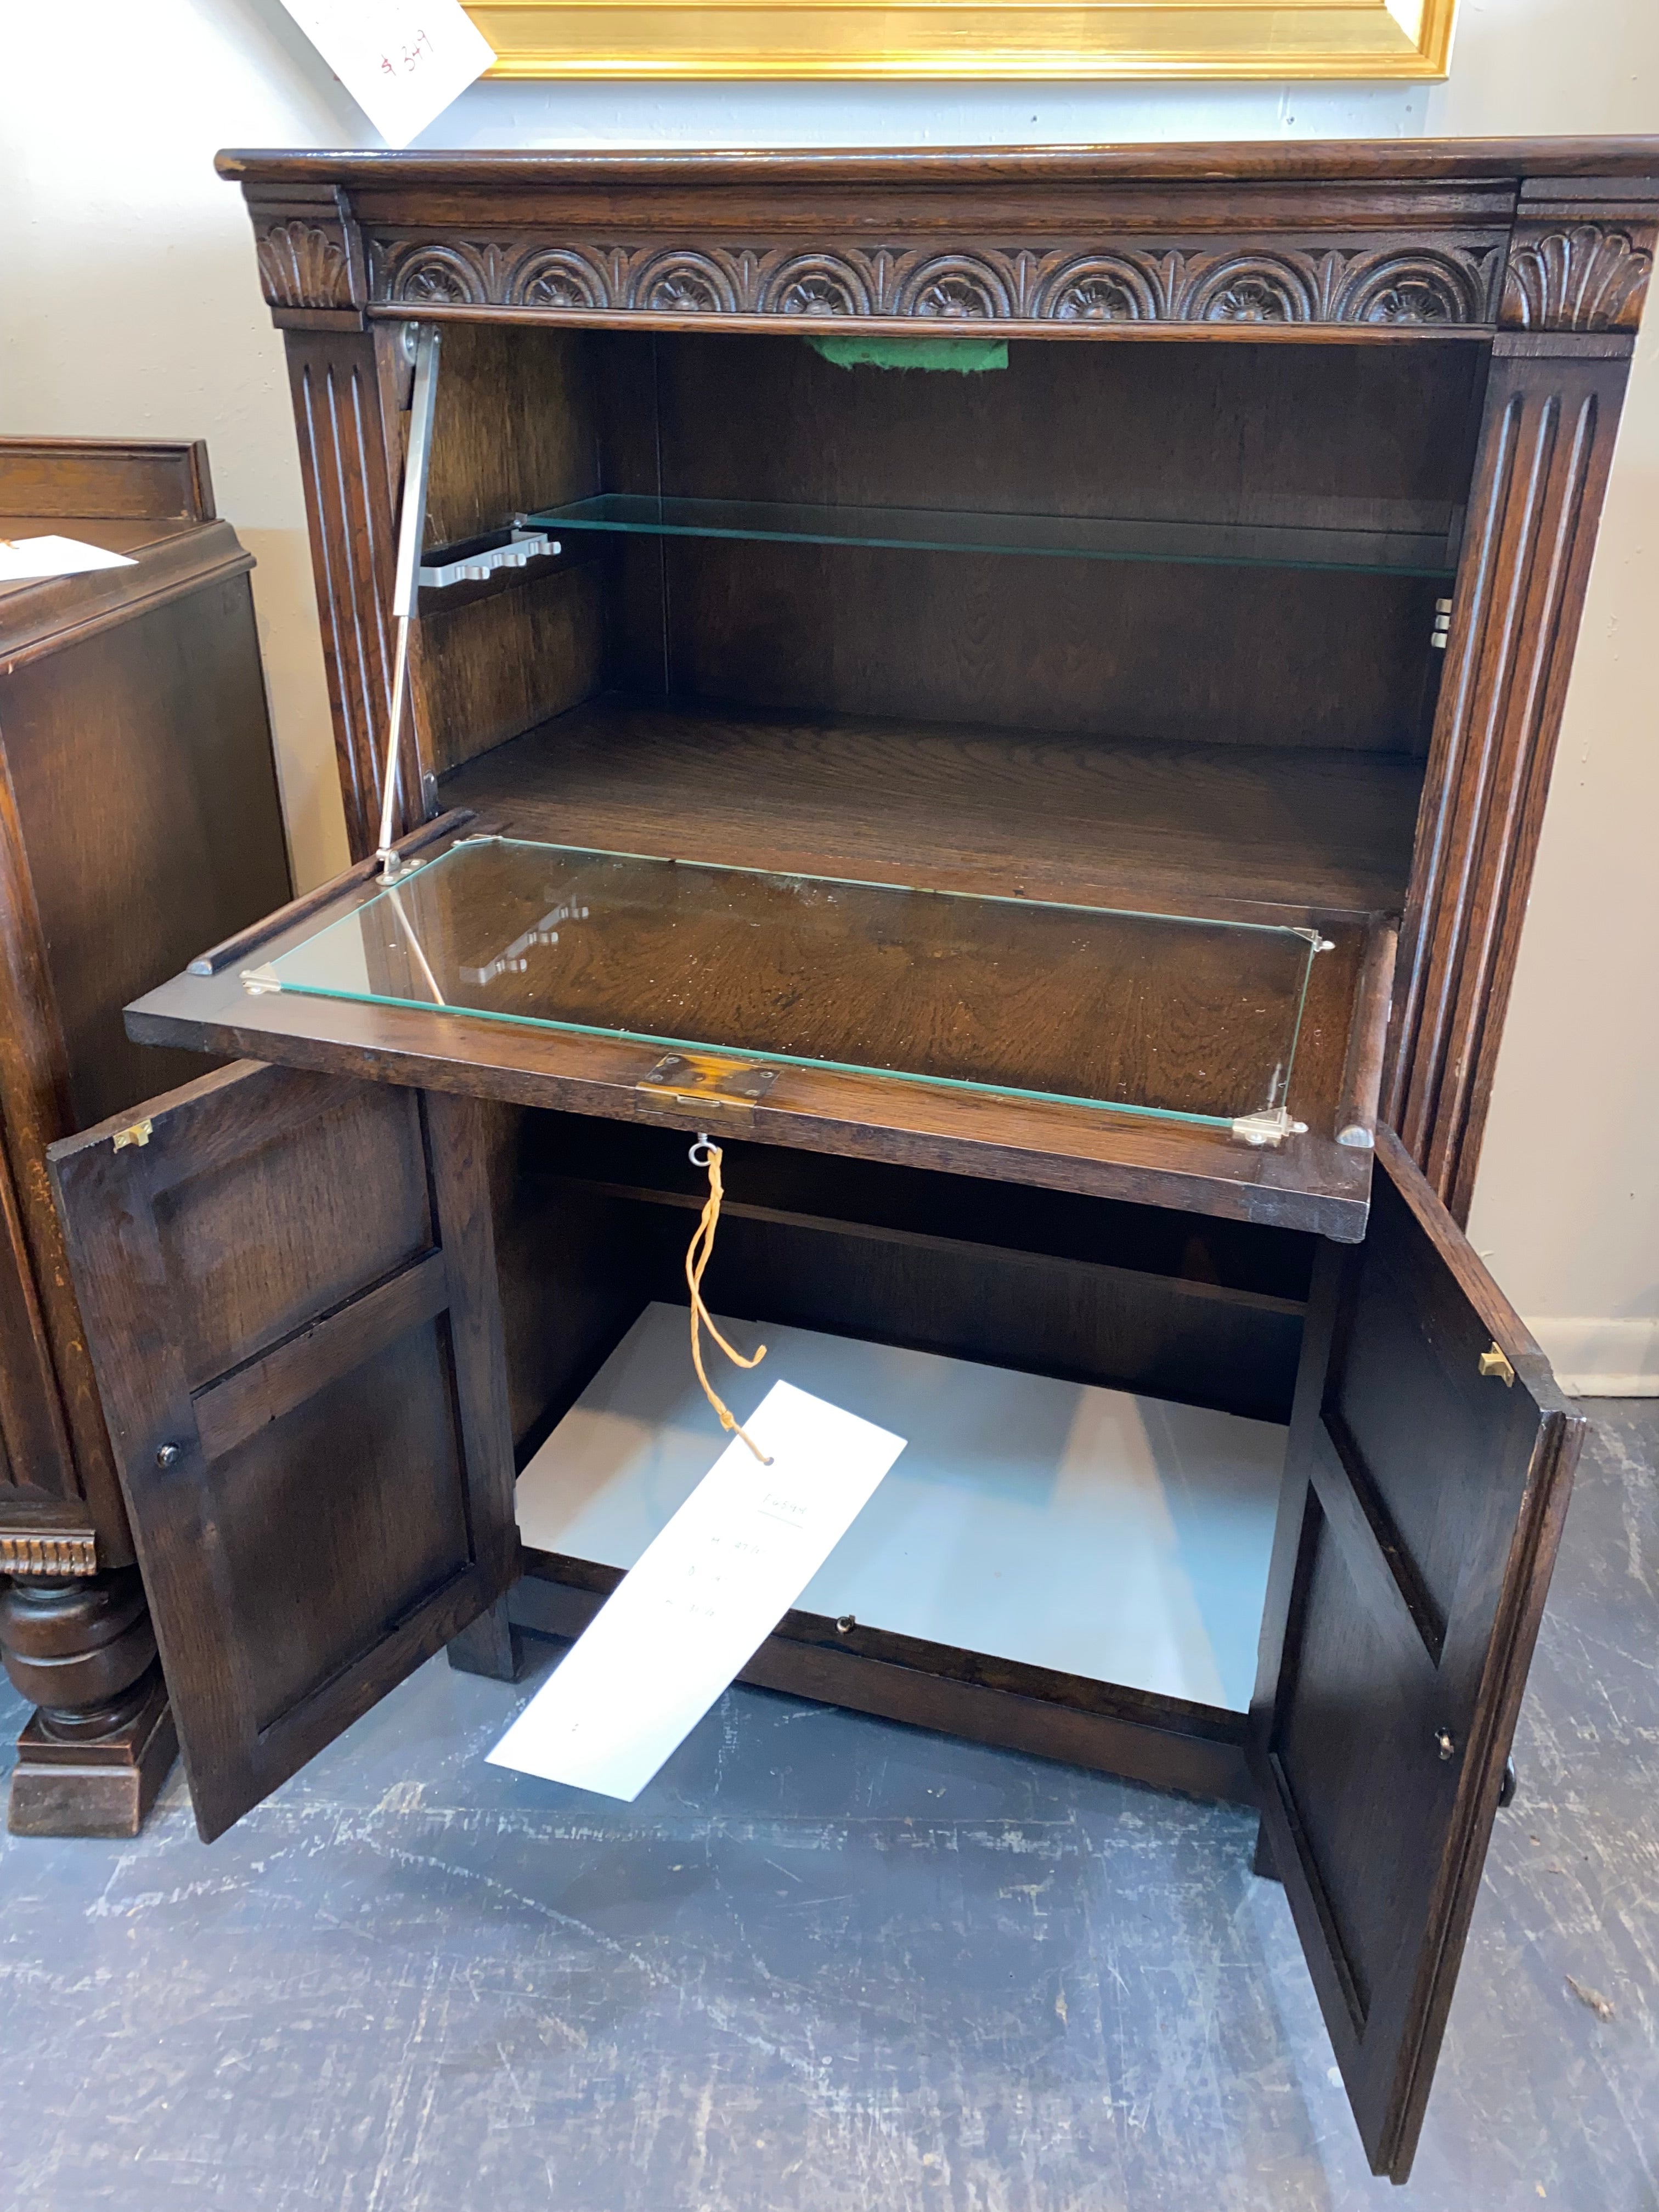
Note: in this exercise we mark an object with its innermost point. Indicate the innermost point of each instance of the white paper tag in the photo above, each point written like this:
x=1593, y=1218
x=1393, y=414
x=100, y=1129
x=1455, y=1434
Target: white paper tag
x=703, y=1598
x=21, y=557
x=402, y=61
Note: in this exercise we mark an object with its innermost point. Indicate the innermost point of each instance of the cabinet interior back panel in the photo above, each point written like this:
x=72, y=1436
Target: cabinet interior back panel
x=1313, y=435
x=1102, y=1533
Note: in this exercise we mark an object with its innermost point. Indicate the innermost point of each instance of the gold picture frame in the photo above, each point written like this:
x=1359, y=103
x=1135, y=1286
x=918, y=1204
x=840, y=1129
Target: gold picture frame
x=1027, y=40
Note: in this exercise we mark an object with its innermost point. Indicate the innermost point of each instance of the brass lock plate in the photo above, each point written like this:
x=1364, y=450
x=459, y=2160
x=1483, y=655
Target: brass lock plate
x=704, y=1077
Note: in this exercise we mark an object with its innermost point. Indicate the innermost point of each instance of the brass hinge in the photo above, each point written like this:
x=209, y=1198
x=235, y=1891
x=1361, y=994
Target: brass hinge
x=136, y=1133
x=1494, y=1363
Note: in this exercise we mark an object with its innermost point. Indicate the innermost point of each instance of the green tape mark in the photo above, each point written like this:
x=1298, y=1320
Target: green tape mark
x=967, y=356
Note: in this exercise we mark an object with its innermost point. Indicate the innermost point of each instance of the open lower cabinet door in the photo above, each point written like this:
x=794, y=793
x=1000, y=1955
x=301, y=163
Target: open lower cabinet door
x=1426, y=1480
x=289, y=1291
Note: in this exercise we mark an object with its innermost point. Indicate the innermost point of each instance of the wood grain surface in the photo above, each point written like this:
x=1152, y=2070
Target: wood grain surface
x=1552, y=417
x=1363, y=440
x=160, y=480
x=1308, y=161
x=291, y=1304
x=1218, y=830
x=1423, y=1504
x=1181, y=1016
x=1164, y=1741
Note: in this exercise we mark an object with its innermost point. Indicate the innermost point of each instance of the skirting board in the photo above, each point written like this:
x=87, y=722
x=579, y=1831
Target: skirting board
x=1595, y=1359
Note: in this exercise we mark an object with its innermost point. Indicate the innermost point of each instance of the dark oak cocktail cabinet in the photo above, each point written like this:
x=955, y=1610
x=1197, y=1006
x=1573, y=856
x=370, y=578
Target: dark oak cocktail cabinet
x=1016, y=689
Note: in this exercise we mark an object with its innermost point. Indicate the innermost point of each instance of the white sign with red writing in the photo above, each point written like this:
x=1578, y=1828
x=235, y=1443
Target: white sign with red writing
x=402, y=61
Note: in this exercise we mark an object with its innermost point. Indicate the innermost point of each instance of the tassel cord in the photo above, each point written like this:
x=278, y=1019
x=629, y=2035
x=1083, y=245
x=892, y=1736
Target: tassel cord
x=696, y=1259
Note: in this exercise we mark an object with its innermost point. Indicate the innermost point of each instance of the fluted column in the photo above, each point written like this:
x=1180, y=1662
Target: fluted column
x=1579, y=265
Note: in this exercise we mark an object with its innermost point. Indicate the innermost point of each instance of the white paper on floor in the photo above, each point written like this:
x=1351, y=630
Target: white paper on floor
x=1096, y=1532
x=23, y=558
x=707, y=1593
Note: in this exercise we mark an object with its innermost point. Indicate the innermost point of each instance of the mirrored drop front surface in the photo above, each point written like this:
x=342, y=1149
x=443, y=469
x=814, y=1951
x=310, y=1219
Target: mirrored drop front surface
x=1184, y=1018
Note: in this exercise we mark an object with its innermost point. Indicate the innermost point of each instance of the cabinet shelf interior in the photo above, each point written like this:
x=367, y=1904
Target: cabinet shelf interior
x=1370, y=551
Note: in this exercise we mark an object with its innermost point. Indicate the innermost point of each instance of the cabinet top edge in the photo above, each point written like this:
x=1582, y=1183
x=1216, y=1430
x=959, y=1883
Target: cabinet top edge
x=1304, y=160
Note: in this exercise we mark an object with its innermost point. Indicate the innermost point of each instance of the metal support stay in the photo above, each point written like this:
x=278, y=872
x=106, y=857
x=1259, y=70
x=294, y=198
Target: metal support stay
x=411, y=528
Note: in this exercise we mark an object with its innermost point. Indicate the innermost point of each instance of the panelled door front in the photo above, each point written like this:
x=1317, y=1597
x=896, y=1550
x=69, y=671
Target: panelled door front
x=1426, y=1480
x=289, y=1288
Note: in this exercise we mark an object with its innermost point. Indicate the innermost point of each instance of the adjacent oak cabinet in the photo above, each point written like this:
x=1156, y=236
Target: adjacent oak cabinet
x=138, y=814
x=1016, y=689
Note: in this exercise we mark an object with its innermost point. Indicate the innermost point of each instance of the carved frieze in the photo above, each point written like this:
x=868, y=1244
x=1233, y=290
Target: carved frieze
x=48, y=1555
x=1406, y=283
x=303, y=265
x=1577, y=276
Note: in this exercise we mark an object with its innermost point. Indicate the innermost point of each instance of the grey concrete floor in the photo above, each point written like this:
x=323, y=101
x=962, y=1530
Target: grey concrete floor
x=825, y=1965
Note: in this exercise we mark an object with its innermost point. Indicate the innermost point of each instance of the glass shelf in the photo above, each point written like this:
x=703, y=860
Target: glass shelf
x=1185, y=1020
x=1073, y=537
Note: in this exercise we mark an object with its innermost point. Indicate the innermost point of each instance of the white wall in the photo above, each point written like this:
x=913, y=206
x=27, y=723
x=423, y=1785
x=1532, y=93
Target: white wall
x=128, y=304
x=129, y=301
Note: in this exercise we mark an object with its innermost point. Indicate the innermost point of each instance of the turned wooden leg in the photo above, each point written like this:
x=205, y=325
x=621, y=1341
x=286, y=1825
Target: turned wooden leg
x=82, y=1651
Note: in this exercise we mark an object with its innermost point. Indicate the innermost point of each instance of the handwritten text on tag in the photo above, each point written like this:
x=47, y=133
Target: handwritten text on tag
x=706, y=1594
x=402, y=61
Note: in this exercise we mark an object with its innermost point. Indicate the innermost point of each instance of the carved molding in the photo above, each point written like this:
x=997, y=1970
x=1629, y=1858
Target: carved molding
x=303, y=265
x=1419, y=283
x=1560, y=276
x=54, y=1557
x=1577, y=276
